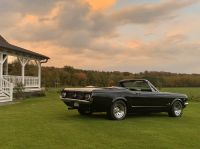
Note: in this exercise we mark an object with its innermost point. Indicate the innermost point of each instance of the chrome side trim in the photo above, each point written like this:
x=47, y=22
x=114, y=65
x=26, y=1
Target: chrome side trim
x=75, y=100
x=148, y=106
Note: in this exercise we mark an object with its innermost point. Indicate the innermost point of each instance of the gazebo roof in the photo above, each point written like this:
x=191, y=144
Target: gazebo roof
x=9, y=48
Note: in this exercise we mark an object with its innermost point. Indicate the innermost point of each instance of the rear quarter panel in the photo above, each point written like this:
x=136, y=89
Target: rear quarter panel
x=103, y=100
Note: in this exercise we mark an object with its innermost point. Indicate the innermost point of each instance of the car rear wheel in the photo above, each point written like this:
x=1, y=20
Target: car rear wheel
x=117, y=111
x=176, y=109
x=84, y=111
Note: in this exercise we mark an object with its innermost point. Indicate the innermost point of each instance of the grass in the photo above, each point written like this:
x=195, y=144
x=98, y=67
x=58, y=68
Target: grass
x=192, y=92
x=44, y=123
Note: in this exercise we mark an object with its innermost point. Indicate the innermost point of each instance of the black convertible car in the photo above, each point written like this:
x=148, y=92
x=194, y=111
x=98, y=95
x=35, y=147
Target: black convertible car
x=129, y=96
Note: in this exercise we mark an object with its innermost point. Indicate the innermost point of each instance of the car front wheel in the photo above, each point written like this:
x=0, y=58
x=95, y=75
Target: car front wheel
x=176, y=109
x=117, y=111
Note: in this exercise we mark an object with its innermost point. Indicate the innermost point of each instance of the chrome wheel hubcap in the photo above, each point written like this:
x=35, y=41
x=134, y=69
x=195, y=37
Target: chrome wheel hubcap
x=177, y=109
x=119, y=110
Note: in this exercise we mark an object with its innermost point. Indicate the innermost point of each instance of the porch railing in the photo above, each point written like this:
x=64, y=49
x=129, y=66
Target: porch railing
x=7, y=88
x=29, y=81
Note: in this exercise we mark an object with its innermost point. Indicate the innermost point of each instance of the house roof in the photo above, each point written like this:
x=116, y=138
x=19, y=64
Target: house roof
x=9, y=48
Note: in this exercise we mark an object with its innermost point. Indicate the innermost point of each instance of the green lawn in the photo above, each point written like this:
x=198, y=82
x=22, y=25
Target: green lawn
x=44, y=123
x=192, y=92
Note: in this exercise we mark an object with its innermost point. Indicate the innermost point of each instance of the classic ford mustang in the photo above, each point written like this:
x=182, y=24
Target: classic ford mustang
x=129, y=96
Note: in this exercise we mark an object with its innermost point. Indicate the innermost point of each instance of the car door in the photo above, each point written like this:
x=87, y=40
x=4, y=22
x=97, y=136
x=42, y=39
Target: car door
x=146, y=97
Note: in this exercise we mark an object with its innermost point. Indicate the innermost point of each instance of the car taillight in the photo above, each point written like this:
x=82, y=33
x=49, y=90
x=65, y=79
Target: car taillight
x=88, y=96
x=63, y=94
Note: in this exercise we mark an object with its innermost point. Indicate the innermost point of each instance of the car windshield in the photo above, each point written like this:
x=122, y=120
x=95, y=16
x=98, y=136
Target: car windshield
x=137, y=85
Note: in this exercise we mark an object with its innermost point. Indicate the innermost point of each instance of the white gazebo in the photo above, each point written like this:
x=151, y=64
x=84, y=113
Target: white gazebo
x=8, y=82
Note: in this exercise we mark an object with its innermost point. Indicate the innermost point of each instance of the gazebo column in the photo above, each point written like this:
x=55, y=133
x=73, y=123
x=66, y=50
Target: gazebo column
x=23, y=62
x=1, y=65
x=39, y=73
x=3, y=58
x=6, y=67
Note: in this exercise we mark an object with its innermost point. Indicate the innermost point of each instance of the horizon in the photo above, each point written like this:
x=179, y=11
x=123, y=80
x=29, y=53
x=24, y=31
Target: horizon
x=157, y=71
x=112, y=35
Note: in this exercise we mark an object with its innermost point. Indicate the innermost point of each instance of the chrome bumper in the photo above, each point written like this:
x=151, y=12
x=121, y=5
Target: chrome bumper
x=75, y=100
x=186, y=103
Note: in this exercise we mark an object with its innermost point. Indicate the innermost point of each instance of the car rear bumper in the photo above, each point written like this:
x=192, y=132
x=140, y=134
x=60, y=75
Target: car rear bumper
x=75, y=100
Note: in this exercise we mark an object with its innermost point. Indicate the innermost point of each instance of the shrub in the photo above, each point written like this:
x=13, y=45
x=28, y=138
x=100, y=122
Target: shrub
x=19, y=91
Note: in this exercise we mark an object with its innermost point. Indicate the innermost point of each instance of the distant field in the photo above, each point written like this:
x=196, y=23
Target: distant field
x=192, y=92
x=45, y=123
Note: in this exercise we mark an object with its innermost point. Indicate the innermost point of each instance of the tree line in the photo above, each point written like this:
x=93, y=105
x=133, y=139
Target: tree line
x=70, y=77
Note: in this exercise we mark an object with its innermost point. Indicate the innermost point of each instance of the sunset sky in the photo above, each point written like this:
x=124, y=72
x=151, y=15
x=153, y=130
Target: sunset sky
x=123, y=35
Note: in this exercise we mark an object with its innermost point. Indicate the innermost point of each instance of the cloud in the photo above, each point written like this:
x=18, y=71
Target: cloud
x=79, y=33
x=26, y=6
x=76, y=25
x=148, y=13
x=99, y=4
x=75, y=21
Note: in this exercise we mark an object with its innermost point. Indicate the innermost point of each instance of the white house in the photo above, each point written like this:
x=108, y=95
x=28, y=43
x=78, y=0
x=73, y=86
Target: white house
x=8, y=82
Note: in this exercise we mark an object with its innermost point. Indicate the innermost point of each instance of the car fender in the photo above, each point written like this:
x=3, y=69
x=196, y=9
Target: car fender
x=177, y=99
x=119, y=98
